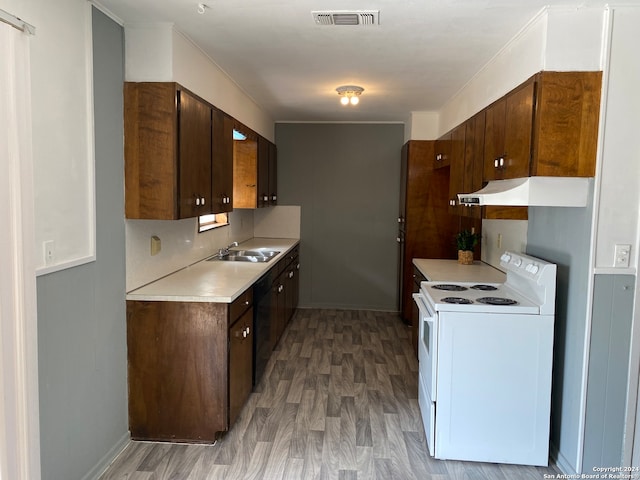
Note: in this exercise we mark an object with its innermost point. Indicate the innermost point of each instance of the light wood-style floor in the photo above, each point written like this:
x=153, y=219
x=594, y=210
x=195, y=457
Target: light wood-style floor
x=338, y=402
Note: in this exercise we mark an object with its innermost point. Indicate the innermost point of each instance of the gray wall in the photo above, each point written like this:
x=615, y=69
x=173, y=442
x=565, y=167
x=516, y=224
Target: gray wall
x=562, y=236
x=608, y=370
x=346, y=178
x=81, y=311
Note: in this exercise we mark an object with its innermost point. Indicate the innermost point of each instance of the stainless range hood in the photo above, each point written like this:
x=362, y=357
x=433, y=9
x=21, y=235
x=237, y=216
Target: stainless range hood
x=532, y=192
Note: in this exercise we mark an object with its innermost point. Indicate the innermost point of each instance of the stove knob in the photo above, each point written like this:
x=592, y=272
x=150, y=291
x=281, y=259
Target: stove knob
x=505, y=257
x=518, y=262
x=534, y=269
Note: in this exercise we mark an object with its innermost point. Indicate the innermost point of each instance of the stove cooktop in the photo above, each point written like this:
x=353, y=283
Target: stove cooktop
x=474, y=297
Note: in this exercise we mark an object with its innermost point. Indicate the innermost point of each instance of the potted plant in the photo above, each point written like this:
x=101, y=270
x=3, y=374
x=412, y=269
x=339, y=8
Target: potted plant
x=466, y=241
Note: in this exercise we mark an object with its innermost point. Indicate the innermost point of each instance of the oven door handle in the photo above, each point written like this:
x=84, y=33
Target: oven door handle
x=425, y=310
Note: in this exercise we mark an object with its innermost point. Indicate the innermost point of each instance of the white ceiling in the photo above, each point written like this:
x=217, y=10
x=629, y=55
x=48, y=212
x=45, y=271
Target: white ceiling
x=420, y=55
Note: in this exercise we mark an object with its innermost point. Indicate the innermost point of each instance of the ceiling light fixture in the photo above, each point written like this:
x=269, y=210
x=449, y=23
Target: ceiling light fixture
x=349, y=94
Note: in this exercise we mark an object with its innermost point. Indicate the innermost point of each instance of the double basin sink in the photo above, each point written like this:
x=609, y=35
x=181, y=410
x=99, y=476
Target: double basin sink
x=255, y=256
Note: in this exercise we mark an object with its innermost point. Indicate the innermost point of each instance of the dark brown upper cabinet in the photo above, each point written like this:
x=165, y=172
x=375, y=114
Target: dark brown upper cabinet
x=168, y=151
x=546, y=126
x=508, y=129
x=222, y=166
x=255, y=171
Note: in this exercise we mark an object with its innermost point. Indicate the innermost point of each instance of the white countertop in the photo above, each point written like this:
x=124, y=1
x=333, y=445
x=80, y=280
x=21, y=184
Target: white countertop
x=215, y=281
x=438, y=270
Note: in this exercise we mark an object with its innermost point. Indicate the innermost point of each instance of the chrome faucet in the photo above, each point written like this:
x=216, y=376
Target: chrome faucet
x=223, y=252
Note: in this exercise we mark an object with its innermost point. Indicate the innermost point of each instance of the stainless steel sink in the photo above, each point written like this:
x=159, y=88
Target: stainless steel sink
x=254, y=253
x=254, y=256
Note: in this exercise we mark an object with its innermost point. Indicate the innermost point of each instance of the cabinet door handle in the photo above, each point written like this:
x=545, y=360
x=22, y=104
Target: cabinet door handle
x=273, y=198
x=202, y=201
x=197, y=201
x=291, y=274
x=298, y=267
x=265, y=198
x=280, y=288
x=246, y=302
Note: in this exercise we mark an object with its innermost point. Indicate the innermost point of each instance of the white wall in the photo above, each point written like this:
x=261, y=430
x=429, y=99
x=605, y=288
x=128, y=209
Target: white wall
x=501, y=235
x=62, y=113
x=619, y=197
x=422, y=126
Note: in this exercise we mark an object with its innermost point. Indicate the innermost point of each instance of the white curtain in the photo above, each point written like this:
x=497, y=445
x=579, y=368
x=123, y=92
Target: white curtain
x=19, y=431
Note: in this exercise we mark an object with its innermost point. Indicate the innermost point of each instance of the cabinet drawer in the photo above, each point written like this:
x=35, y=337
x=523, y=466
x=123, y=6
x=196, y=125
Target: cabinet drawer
x=292, y=254
x=240, y=304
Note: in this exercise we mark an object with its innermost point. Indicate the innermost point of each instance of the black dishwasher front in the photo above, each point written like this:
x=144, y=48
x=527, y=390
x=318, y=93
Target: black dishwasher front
x=262, y=344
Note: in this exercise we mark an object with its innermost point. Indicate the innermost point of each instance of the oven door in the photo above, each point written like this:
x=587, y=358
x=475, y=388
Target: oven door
x=427, y=347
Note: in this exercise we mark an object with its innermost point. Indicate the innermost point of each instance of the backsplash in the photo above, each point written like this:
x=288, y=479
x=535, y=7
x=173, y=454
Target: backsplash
x=182, y=245
x=501, y=235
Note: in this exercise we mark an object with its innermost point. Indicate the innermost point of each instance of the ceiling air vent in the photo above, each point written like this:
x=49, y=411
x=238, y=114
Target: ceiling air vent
x=343, y=17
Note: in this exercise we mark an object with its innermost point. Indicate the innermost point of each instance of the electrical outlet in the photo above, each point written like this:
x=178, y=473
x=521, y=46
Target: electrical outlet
x=156, y=245
x=49, y=248
x=622, y=254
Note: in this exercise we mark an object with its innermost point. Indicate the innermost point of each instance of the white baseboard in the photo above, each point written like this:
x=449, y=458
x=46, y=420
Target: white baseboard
x=108, y=458
x=560, y=461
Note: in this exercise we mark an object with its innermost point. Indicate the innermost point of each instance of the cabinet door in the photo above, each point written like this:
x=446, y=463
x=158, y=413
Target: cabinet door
x=263, y=172
x=278, y=307
x=240, y=363
x=177, y=370
x=222, y=163
x=566, y=124
x=494, y=131
x=150, y=151
x=518, y=132
x=508, y=134
x=473, y=160
x=245, y=168
x=442, y=157
x=291, y=290
x=457, y=165
x=194, y=147
x=273, y=174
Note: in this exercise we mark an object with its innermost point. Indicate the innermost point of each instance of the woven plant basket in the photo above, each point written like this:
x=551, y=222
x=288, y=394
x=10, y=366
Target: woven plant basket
x=465, y=257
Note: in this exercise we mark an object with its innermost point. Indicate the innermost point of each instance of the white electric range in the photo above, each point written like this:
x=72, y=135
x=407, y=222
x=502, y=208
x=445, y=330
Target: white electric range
x=485, y=353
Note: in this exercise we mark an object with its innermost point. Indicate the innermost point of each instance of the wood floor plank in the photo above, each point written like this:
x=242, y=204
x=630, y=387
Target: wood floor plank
x=348, y=434
x=338, y=400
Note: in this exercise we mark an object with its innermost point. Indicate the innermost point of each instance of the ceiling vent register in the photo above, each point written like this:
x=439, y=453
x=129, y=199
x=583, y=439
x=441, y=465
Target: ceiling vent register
x=344, y=17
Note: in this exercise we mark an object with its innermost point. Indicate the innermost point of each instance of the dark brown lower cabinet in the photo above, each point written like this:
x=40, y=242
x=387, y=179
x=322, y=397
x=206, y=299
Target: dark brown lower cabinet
x=188, y=376
x=240, y=363
x=284, y=293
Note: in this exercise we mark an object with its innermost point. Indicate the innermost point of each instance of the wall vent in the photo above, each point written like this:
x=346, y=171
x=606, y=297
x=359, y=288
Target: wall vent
x=345, y=17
